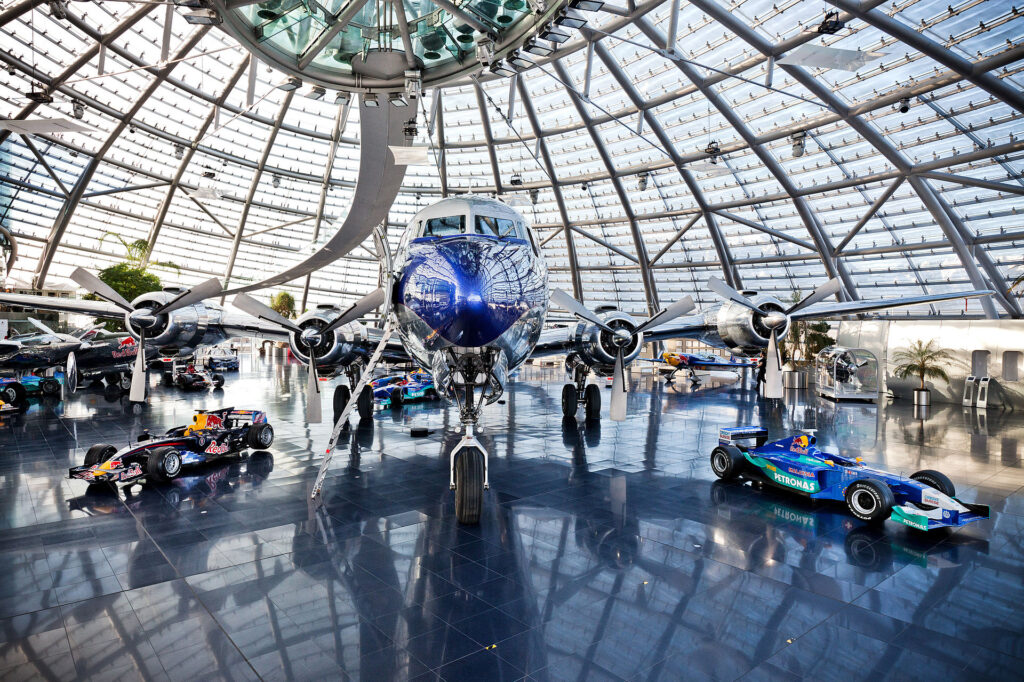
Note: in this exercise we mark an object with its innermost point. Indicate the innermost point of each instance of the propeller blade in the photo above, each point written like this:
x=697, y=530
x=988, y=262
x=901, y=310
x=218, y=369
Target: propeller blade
x=829, y=288
x=678, y=308
x=773, y=370
x=71, y=373
x=250, y=305
x=567, y=302
x=314, y=403
x=203, y=290
x=725, y=291
x=372, y=300
x=617, y=409
x=42, y=327
x=92, y=283
x=137, y=394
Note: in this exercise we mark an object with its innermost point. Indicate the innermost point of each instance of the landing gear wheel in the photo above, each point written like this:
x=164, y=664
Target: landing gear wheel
x=569, y=400
x=14, y=393
x=935, y=479
x=870, y=500
x=592, y=396
x=125, y=382
x=112, y=378
x=260, y=436
x=218, y=380
x=365, y=403
x=50, y=387
x=397, y=399
x=163, y=464
x=342, y=394
x=98, y=453
x=469, y=485
x=726, y=461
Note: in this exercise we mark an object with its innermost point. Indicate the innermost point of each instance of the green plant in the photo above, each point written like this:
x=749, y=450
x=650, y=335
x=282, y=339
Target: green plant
x=283, y=304
x=137, y=253
x=805, y=339
x=1017, y=283
x=922, y=360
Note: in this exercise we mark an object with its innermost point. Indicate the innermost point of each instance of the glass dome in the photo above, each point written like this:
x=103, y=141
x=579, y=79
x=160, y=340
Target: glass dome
x=660, y=144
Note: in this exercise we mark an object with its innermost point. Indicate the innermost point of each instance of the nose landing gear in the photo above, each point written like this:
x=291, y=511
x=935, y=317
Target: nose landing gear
x=580, y=393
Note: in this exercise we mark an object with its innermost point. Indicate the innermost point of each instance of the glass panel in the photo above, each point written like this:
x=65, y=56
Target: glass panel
x=444, y=227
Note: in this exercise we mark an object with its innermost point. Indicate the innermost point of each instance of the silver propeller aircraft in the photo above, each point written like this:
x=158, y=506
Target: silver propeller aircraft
x=469, y=294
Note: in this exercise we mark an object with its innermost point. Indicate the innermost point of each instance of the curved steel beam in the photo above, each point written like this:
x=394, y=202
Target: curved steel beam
x=377, y=184
x=570, y=245
x=908, y=36
x=16, y=10
x=186, y=159
x=646, y=276
x=486, y=122
x=71, y=203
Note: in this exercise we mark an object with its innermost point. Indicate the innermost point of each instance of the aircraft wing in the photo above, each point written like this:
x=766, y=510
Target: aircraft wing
x=822, y=310
x=64, y=305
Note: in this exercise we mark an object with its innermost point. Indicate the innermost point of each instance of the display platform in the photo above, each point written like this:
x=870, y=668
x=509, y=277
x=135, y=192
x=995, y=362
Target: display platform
x=606, y=551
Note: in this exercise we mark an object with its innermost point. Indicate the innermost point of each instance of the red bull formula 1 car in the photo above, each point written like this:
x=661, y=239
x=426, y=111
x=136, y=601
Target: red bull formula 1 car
x=924, y=500
x=211, y=435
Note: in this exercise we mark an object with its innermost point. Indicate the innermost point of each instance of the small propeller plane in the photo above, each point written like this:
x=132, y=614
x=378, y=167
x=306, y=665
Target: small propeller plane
x=470, y=296
x=694, y=362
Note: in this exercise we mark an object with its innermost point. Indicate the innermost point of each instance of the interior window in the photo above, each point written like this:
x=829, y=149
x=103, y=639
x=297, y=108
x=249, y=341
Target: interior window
x=496, y=227
x=444, y=227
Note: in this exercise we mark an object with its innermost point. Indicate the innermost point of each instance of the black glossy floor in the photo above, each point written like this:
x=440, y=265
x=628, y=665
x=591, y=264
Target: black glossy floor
x=605, y=553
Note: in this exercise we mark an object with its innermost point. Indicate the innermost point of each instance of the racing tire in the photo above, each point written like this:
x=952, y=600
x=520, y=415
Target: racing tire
x=342, y=394
x=870, y=500
x=14, y=393
x=98, y=453
x=397, y=399
x=112, y=379
x=592, y=398
x=218, y=381
x=49, y=386
x=935, y=479
x=569, y=400
x=163, y=465
x=469, y=485
x=260, y=436
x=726, y=462
x=365, y=403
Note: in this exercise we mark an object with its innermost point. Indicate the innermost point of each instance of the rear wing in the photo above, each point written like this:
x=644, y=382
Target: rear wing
x=732, y=434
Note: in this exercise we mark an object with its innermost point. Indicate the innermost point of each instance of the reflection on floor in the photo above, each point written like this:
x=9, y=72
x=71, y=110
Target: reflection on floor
x=605, y=552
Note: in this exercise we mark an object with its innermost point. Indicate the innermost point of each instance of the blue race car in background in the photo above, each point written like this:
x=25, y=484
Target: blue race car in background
x=222, y=360
x=14, y=390
x=395, y=390
x=924, y=500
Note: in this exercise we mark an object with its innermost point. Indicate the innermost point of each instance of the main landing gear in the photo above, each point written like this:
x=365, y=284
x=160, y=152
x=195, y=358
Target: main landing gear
x=580, y=393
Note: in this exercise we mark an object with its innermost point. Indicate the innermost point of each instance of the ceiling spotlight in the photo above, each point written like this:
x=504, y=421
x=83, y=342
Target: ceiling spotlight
x=290, y=83
x=517, y=180
x=553, y=34
x=315, y=92
x=713, y=150
x=535, y=48
x=413, y=84
x=203, y=17
x=503, y=69
x=342, y=98
x=586, y=5
x=58, y=9
x=276, y=181
x=570, y=19
x=534, y=195
x=370, y=100
x=799, y=141
x=209, y=174
x=398, y=99
x=77, y=109
x=903, y=106
x=485, y=50
x=39, y=96
x=641, y=181
x=516, y=59
x=831, y=25
x=179, y=152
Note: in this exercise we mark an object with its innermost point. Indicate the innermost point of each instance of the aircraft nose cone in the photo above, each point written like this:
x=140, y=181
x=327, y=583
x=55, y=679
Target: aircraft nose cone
x=774, y=320
x=468, y=290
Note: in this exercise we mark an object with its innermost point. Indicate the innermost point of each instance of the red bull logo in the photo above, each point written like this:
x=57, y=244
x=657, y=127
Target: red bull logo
x=127, y=341
x=800, y=444
x=125, y=347
x=214, y=422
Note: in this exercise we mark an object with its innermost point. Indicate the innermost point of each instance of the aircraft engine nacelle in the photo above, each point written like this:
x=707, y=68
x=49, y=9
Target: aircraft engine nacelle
x=334, y=349
x=595, y=347
x=742, y=331
x=182, y=328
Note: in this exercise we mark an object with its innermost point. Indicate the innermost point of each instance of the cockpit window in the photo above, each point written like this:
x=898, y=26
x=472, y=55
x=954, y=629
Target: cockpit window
x=496, y=227
x=444, y=227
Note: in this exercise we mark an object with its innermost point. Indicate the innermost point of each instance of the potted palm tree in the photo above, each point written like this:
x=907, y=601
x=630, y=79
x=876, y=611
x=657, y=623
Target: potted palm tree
x=922, y=360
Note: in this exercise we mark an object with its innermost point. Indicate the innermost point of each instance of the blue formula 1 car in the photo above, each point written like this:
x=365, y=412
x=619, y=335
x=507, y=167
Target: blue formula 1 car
x=396, y=390
x=14, y=389
x=924, y=501
x=212, y=434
